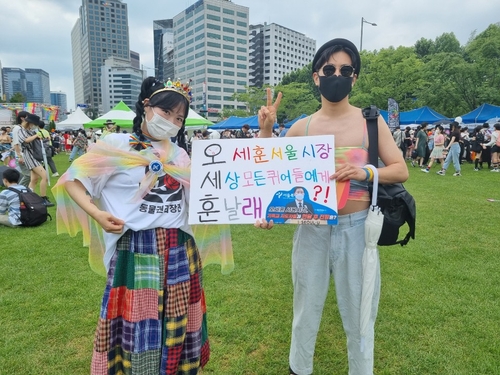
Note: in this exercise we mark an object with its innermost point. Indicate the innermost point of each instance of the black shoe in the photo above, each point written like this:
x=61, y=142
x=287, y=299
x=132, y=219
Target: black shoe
x=47, y=202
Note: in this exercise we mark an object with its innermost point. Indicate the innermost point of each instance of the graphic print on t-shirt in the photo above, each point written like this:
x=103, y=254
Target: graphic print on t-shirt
x=166, y=189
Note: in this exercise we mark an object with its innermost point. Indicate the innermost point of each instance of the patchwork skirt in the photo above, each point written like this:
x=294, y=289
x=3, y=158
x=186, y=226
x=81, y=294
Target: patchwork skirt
x=153, y=312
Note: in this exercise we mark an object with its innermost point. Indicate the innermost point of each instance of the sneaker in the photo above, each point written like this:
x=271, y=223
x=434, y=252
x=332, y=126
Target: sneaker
x=494, y=170
x=412, y=163
x=425, y=170
x=441, y=173
x=457, y=174
x=47, y=202
x=476, y=169
x=55, y=174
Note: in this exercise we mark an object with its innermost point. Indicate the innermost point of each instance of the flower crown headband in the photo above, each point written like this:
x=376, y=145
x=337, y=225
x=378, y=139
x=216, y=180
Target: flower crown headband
x=176, y=86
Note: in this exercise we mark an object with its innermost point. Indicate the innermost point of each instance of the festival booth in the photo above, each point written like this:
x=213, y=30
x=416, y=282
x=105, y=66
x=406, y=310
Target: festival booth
x=420, y=115
x=194, y=121
x=484, y=113
x=121, y=115
x=416, y=116
x=74, y=121
x=235, y=122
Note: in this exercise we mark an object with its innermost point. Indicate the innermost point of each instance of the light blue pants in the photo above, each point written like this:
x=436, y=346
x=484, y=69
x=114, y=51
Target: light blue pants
x=318, y=253
x=453, y=155
x=75, y=151
x=25, y=174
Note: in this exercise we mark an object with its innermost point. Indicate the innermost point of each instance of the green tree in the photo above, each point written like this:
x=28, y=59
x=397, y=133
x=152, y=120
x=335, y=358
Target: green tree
x=253, y=97
x=389, y=73
x=303, y=75
x=484, y=50
x=17, y=98
x=228, y=112
x=297, y=99
x=447, y=42
x=424, y=47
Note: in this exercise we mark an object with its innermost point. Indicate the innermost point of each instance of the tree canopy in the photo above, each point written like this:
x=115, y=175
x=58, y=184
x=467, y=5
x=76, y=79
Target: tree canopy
x=17, y=98
x=450, y=78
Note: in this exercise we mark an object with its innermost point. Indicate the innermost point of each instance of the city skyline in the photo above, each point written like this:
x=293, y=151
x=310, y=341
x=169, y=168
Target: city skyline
x=397, y=25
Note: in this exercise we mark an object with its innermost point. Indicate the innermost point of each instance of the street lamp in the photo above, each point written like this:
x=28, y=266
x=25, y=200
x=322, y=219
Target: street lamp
x=361, y=41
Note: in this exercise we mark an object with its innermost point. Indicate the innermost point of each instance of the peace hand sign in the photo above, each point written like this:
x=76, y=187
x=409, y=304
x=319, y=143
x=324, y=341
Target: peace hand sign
x=267, y=114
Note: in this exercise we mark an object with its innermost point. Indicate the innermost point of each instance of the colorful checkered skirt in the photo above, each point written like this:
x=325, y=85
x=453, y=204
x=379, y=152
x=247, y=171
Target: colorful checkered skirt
x=153, y=313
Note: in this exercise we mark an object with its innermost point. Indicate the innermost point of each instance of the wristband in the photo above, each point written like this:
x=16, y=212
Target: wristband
x=369, y=174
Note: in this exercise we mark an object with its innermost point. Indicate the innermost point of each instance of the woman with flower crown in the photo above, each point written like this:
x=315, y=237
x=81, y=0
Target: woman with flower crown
x=135, y=190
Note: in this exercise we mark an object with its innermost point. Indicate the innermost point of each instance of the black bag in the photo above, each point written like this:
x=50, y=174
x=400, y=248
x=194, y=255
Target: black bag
x=33, y=208
x=397, y=205
x=46, y=146
x=35, y=148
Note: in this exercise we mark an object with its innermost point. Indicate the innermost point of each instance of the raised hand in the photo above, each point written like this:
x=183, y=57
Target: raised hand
x=267, y=114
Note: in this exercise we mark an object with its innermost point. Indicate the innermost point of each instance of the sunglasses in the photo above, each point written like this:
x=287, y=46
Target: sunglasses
x=345, y=70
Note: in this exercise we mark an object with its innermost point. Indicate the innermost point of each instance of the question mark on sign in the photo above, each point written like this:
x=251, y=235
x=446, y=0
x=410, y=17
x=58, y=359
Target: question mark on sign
x=317, y=189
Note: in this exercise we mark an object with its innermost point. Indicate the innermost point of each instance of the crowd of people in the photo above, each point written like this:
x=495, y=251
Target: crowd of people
x=18, y=146
x=456, y=144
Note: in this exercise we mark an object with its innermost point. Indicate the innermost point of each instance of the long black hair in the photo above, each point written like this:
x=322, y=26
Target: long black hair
x=166, y=100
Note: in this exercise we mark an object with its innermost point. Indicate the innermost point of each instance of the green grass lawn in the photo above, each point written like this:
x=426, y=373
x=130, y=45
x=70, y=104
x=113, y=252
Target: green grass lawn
x=438, y=314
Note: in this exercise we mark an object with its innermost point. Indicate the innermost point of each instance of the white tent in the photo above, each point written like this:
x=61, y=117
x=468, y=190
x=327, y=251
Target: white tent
x=74, y=121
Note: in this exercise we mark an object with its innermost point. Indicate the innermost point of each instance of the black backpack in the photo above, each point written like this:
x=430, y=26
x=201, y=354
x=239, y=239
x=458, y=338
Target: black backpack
x=35, y=148
x=33, y=208
x=397, y=205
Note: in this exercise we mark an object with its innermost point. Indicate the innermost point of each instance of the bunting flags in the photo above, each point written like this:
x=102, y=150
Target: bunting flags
x=48, y=112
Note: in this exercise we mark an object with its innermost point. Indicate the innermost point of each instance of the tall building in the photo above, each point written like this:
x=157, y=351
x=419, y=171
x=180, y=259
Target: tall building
x=76, y=51
x=275, y=51
x=135, y=60
x=2, y=94
x=211, y=48
x=163, y=41
x=100, y=32
x=37, y=86
x=33, y=84
x=120, y=82
x=60, y=99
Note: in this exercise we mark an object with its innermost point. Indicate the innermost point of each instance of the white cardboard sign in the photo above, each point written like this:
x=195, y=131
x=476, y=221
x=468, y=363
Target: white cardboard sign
x=287, y=180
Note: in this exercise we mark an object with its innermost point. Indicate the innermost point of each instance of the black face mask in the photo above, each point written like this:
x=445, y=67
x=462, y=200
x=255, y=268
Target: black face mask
x=335, y=88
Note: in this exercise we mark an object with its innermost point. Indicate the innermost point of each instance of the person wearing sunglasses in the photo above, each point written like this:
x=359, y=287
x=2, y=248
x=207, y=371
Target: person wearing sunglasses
x=320, y=251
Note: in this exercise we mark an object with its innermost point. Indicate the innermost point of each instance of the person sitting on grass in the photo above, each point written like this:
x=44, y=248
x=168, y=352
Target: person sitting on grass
x=10, y=209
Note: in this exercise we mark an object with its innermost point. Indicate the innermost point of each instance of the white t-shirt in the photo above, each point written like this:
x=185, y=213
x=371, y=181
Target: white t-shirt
x=165, y=206
x=214, y=134
x=15, y=135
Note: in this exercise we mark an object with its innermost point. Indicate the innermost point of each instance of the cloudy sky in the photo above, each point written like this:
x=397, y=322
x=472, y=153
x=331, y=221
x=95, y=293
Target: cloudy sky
x=37, y=33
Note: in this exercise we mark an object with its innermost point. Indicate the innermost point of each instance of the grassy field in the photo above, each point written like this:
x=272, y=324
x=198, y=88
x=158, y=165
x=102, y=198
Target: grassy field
x=439, y=310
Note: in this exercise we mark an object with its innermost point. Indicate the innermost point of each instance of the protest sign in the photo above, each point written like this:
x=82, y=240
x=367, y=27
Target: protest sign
x=287, y=180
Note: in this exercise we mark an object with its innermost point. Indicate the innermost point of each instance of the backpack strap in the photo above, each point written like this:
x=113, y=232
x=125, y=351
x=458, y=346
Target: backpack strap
x=371, y=115
x=16, y=191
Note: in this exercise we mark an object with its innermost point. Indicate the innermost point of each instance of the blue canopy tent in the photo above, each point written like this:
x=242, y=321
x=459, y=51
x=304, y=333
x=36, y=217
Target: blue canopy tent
x=420, y=115
x=385, y=115
x=235, y=122
x=291, y=122
x=481, y=114
x=416, y=116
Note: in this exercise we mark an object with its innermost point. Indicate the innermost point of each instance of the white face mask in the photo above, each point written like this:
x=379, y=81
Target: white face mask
x=299, y=197
x=160, y=128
